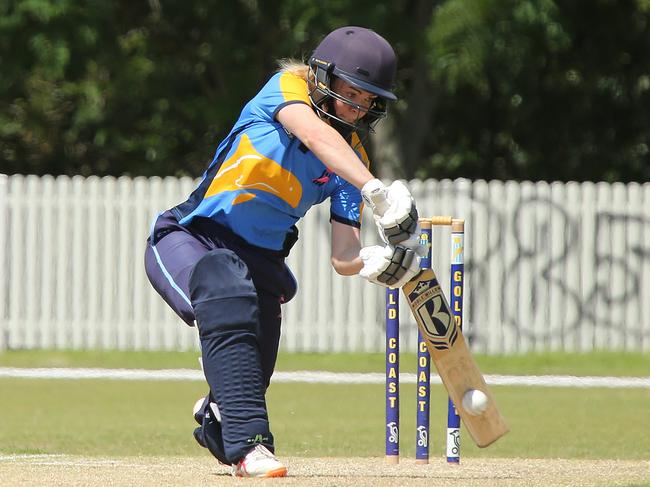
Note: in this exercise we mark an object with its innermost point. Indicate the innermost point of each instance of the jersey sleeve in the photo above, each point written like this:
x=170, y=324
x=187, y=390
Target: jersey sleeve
x=282, y=89
x=346, y=201
x=346, y=205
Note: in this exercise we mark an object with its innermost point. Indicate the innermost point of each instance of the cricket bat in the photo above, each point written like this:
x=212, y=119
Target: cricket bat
x=451, y=356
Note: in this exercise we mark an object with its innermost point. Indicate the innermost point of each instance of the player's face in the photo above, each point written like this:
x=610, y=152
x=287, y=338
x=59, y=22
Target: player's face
x=360, y=101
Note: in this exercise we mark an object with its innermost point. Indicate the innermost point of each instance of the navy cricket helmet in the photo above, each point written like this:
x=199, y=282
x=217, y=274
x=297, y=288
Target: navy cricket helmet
x=360, y=57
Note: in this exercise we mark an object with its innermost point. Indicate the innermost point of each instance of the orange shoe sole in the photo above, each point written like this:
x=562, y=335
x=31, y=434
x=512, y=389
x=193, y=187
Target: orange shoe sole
x=278, y=472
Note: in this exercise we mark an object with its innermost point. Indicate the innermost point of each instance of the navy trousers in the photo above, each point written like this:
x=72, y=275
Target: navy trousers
x=239, y=320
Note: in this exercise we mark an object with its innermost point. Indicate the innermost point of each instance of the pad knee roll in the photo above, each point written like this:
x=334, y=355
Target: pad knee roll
x=222, y=294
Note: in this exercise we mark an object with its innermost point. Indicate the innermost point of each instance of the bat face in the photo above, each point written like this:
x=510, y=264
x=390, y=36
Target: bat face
x=451, y=356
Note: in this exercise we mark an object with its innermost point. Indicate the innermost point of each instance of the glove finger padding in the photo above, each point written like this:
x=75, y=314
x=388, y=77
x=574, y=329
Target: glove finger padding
x=398, y=230
x=400, y=220
x=389, y=266
x=414, y=243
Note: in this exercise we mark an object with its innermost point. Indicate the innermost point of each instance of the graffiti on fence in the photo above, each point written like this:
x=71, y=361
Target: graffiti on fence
x=561, y=274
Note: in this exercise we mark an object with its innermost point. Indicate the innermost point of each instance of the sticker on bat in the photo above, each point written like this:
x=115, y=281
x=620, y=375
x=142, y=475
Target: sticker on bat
x=432, y=312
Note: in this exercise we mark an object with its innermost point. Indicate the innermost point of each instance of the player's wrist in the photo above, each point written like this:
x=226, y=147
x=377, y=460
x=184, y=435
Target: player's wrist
x=371, y=185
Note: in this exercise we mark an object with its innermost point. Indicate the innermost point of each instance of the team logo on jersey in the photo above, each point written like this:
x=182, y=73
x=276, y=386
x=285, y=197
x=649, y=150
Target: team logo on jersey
x=323, y=178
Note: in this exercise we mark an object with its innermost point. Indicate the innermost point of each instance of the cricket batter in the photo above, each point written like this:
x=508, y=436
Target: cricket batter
x=218, y=259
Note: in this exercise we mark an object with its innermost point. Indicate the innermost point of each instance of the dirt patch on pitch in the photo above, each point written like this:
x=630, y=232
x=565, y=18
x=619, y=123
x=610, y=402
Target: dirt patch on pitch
x=64, y=470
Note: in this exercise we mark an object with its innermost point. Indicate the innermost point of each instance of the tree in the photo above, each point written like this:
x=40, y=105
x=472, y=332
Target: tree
x=507, y=89
x=540, y=90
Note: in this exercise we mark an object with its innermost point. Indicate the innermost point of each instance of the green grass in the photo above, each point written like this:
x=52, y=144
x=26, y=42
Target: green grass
x=597, y=363
x=98, y=358
x=544, y=423
x=102, y=417
x=123, y=418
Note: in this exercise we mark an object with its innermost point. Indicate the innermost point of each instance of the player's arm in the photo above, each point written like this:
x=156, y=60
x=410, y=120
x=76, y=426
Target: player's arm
x=387, y=266
x=397, y=218
x=346, y=244
x=325, y=142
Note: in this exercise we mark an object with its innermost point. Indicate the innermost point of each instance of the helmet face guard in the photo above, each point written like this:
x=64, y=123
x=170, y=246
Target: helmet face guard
x=322, y=97
x=361, y=58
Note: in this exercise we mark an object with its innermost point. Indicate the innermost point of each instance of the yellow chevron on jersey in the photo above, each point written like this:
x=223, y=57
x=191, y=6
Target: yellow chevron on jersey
x=247, y=170
x=262, y=179
x=242, y=198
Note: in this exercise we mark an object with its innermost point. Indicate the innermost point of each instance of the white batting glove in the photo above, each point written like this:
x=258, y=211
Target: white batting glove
x=414, y=243
x=389, y=266
x=393, y=209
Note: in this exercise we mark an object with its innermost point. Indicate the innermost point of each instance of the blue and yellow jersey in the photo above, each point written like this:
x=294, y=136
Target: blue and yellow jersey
x=262, y=180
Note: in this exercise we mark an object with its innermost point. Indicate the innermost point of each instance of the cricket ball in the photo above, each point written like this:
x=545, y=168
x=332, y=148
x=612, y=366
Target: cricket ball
x=475, y=402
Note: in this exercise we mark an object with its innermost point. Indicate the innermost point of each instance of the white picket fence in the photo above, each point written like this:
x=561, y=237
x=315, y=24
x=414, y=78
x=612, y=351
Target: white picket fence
x=549, y=267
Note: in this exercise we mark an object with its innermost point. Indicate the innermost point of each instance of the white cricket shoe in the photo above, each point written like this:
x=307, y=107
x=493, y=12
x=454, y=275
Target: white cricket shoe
x=259, y=462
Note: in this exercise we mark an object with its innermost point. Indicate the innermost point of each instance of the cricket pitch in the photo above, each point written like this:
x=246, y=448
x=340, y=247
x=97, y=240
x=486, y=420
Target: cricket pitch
x=67, y=470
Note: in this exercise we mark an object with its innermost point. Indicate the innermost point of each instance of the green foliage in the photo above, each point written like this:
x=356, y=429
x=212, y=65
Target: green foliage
x=509, y=89
x=540, y=89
